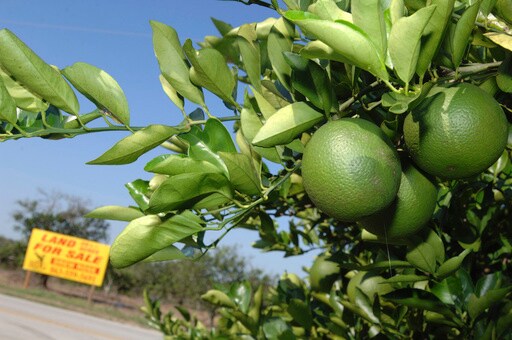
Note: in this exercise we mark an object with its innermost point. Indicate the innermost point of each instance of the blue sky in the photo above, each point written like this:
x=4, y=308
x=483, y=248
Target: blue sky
x=114, y=36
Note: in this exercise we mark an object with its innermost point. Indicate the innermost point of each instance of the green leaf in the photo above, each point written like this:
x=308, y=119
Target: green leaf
x=240, y=293
x=23, y=98
x=450, y=291
x=218, y=298
x=369, y=16
x=319, y=50
x=381, y=265
x=171, y=92
x=167, y=254
x=190, y=190
x=29, y=120
x=172, y=62
x=297, y=4
x=209, y=70
x=178, y=164
x=199, y=151
x=344, y=38
x=286, y=124
x=116, y=213
x=488, y=282
x=421, y=299
x=451, y=265
x=486, y=6
x=184, y=313
x=20, y=62
x=277, y=43
x=139, y=191
x=71, y=122
x=398, y=103
x=501, y=164
x=242, y=174
x=221, y=26
x=100, y=88
x=146, y=235
x=257, y=302
x=430, y=237
x=369, y=237
x=226, y=45
x=130, y=148
x=436, y=318
x=217, y=137
x=263, y=27
x=434, y=33
x=477, y=305
x=311, y=80
x=265, y=106
x=502, y=39
x=7, y=105
x=300, y=312
x=504, y=323
x=245, y=320
x=275, y=94
x=466, y=282
x=504, y=77
x=328, y=10
x=462, y=33
x=405, y=42
x=251, y=124
x=277, y=329
x=364, y=305
x=396, y=10
x=250, y=53
x=422, y=256
x=435, y=241
x=474, y=244
x=401, y=278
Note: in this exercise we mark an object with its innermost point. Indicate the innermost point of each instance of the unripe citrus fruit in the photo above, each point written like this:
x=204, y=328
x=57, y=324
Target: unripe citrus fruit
x=411, y=210
x=370, y=284
x=322, y=274
x=456, y=132
x=350, y=169
x=293, y=278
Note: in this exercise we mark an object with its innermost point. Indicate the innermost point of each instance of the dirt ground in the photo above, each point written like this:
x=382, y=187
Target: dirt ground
x=128, y=306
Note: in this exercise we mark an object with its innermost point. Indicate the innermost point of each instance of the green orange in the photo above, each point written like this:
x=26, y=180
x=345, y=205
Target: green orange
x=323, y=273
x=411, y=210
x=350, y=169
x=456, y=132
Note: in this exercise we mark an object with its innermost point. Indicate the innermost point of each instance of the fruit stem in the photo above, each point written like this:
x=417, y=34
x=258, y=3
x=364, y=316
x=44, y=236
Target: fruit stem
x=238, y=216
x=222, y=119
x=391, y=87
x=469, y=70
x=346, y=104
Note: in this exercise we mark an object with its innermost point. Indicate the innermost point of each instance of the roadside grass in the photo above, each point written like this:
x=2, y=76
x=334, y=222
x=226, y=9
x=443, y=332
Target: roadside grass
x=77, y=304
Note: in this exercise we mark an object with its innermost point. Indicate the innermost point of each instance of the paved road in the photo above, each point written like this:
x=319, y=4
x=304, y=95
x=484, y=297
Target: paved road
x=22, y=320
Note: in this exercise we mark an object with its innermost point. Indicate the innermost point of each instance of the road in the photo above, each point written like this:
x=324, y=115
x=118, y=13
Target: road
x=21, y=319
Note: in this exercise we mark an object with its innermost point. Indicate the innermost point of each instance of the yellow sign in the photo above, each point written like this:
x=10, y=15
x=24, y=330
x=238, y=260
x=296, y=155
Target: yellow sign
x=67, y=257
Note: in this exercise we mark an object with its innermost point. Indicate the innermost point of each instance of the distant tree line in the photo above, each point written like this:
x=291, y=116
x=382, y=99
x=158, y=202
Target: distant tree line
x=180, y=282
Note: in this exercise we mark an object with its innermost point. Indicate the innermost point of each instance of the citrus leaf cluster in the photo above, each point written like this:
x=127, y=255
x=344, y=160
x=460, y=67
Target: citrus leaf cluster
x=377, y=131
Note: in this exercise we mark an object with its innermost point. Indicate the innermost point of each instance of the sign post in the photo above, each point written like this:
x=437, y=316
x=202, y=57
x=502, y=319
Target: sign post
x=66, y=257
